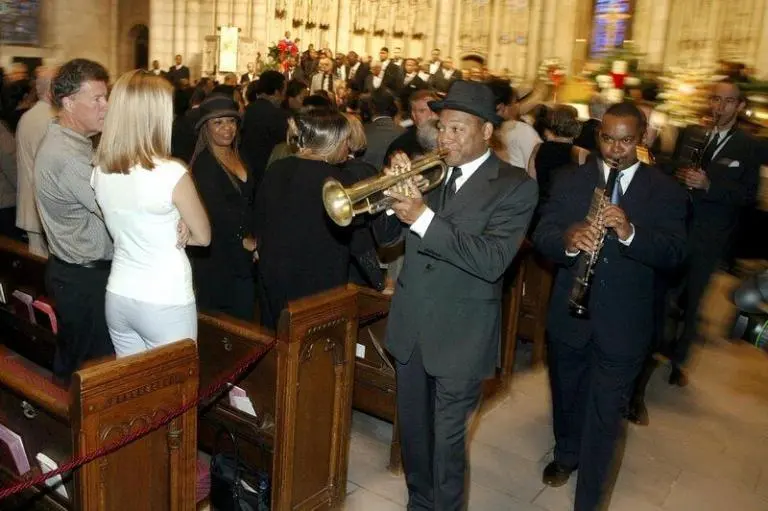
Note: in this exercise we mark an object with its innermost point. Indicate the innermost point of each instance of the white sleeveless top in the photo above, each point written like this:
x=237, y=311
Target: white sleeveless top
x=142, y=219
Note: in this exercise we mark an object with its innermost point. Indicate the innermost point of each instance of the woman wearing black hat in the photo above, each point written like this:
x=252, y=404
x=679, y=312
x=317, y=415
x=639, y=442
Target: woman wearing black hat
x=223, y=271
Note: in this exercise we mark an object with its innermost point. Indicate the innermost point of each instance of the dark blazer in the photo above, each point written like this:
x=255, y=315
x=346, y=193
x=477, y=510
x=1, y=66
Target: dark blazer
x=357, y=82
x=264, y=126
x=448, y=294
x=622, y=295
x=438, y=82
x=368, y=86
x=297, y=74
x=734, y=175
x=379, y=134
x=175, y=75
x=244, y=78
x=406, y=89
x=393, y=77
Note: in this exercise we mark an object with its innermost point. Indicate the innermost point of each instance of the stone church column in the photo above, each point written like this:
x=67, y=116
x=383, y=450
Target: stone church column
x=534, y=48
x=649, y=30
x=455, y=33
x=761, y=61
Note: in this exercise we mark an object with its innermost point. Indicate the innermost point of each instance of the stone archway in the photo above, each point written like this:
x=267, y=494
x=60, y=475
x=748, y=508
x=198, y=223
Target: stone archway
x=139, y=35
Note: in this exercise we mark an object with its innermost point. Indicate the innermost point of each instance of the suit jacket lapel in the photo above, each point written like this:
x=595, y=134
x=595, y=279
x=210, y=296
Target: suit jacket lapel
x=475, y=186
x=638, y=190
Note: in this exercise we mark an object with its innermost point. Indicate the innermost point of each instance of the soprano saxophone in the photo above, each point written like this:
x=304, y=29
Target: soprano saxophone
x=578, y=301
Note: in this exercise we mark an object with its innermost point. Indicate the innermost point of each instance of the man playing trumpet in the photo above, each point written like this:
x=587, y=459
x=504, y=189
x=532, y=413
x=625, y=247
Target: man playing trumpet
x=444, y=322
x=594, y=361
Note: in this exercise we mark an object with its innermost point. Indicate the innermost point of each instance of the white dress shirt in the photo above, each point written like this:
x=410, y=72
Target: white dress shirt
x=448, y=73
x=409, y=78
x=377, y=80
x=421, y=224
x=624, y=180
x=434, y=66
x=353, y=70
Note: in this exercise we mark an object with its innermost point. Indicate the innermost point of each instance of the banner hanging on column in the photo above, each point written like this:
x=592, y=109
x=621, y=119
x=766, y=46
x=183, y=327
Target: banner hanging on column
x=228, y=49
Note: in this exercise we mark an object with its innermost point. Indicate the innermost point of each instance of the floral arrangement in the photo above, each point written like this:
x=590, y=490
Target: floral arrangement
x=551, y=71
x=417, y=35
x=379, y=32
x=277, y=53
x=398, y=33
x=616, y=71
x=297, y=23
x=684, y=94
x=309, y=25
x=325, y=26
x=280, y=14
x=359, y=30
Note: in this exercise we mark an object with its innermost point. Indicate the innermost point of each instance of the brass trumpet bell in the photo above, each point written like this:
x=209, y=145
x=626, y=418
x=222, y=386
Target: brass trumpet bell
x=367, y=196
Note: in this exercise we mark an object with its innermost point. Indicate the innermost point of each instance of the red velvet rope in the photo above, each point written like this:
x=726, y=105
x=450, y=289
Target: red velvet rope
x=75, y=463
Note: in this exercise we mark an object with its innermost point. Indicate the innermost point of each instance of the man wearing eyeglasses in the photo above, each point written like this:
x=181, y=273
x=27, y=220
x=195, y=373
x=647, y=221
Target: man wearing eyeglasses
x=722, y=185
x=593, y=361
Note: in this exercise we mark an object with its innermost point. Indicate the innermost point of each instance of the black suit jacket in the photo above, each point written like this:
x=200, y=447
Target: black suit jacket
x=438, y=82
x=393, y=77
x=734, y=175
x=622, y=294
x=175, y=75
x=184, y=137
x=368, y=86
x=298, y=74
x=357, y=82
x=264, y=126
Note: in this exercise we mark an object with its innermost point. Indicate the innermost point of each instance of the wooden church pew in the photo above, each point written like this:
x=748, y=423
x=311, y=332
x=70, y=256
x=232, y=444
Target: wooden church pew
x=301, y=391
x=104, y=403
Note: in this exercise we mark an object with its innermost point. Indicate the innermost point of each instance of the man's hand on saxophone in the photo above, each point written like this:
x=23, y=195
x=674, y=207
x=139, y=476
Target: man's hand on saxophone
x=583, y=236
x=615, y=218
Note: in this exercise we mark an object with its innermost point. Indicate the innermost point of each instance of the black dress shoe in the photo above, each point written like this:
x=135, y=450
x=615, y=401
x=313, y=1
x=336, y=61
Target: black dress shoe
x=637, y=413
x=678, y=377
x=556, y=474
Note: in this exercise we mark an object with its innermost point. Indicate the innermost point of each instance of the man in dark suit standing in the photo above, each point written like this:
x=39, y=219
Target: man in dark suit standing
x=265, y=124
x=293, y=72
x=444, y=323
x=392, y=73
x=357, y=73
x=249, y=75
x=382, y=130
x=178, y=72
x=442, y=80
x=720, y=190
x=594, y=361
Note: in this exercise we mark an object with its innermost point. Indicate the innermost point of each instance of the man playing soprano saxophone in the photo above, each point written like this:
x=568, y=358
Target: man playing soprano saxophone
x=593, y=362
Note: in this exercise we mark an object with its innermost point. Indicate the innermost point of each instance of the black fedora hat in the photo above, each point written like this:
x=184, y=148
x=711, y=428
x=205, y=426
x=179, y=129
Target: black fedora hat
x=471, y=97
x=217, y=106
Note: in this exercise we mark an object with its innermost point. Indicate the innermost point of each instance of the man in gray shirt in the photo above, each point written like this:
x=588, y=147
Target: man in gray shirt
x=79, y=244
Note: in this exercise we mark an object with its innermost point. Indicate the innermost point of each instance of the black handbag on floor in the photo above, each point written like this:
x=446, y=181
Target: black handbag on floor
x=229, y=489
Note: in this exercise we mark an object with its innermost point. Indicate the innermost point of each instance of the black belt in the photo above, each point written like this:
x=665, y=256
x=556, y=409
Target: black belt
x=99, y=264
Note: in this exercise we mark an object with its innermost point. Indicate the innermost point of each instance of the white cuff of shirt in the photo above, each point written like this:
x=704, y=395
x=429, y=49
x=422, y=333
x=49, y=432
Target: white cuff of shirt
x=628, y=241
x=572, y=254
x=421, y=224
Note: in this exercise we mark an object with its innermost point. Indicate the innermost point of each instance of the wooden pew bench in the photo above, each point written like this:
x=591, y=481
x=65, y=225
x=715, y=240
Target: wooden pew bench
x=301, y=391
x=104, y=403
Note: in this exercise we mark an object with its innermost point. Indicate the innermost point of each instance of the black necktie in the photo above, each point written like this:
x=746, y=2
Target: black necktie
x=709, y=152
x=449, y=190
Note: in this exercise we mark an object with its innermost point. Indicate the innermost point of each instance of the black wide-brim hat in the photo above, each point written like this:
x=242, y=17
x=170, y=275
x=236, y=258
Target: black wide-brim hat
x=217, y=106
x=471, y=97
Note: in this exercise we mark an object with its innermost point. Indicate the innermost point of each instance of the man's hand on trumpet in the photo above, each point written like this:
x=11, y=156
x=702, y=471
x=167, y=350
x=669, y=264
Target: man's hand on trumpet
x=410, y=203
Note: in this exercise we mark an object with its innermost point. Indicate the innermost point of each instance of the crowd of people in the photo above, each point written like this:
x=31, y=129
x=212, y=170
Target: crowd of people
x=153, y=199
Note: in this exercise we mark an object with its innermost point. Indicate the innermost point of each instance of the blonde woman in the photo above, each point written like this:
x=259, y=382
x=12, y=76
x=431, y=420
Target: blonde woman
x=145, y=197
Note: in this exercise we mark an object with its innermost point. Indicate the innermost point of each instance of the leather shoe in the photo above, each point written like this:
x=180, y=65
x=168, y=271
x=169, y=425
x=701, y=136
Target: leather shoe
x=678, y=377
x=556, y=474
x=637, y=413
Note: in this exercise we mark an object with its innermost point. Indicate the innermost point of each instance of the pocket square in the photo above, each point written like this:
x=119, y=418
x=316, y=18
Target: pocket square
x=734, y=163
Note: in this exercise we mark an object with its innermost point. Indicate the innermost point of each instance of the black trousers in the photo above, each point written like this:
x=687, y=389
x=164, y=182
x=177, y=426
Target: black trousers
x=702, y=263
x=79, y=295
x=590, y=390
x=433, y=413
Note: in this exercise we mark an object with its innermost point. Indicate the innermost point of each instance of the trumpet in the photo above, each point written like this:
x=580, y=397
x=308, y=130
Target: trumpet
x=578, y=301
x=367, y=196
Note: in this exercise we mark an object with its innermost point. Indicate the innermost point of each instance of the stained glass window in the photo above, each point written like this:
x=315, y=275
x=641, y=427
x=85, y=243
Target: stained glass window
x=611, y=21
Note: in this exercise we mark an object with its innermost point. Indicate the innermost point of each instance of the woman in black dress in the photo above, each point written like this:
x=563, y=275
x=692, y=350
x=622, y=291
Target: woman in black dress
x=560, y=128
x=301, y=250
x=223, y=272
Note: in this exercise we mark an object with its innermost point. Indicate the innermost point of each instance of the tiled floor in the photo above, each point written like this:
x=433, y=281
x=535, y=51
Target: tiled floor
x=706, y=448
